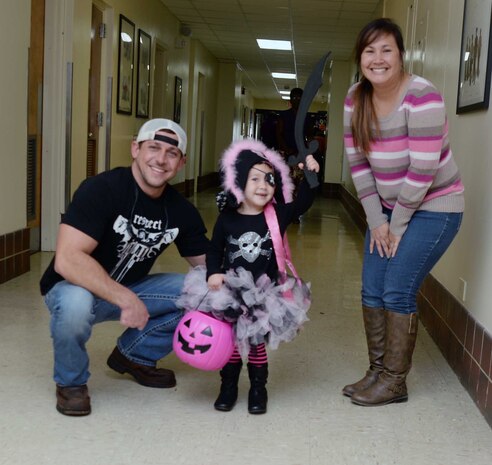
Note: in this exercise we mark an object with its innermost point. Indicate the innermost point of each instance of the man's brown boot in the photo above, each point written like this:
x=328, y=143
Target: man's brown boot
x=143, y=374
x=73, y=401
x=375, y=326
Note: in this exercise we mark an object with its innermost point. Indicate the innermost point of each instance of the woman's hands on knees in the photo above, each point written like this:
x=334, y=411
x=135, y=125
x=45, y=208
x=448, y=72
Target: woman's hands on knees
x=386, y=242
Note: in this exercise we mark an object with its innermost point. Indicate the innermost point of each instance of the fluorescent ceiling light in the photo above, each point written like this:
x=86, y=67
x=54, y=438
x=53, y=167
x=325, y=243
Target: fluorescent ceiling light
x=284, y=92
x=274, y=44
x=285, y=97
x=284, y=75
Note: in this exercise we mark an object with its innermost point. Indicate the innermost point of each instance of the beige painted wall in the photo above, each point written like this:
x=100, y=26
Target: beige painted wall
x=346, y=177
x=470, y=256
x=204, y=64
x=225, y=116
x=334, y=147
x=343, y=76
x=14, y=31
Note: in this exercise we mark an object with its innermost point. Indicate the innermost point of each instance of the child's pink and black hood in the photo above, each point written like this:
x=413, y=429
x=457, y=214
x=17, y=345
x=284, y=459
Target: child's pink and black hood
x=238, y=159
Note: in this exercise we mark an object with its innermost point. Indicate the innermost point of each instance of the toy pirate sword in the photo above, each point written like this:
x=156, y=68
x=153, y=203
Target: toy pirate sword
x=310, y=90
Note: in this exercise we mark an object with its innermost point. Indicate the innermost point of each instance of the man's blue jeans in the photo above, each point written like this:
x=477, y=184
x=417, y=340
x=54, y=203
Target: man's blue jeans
x=393, y=283
x=74, y=311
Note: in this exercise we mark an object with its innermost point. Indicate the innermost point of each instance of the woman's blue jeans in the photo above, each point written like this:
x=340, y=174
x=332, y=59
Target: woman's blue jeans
x=393, y=283
x=74, y=311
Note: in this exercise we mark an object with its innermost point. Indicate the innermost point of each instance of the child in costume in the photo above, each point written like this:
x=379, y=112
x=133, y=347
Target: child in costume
x=241, y=283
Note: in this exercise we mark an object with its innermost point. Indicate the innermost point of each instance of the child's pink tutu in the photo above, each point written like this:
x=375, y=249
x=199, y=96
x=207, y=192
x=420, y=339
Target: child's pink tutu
x=261, y=311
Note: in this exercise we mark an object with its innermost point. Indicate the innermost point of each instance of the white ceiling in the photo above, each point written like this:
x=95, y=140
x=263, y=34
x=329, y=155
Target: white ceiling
x=229, y=29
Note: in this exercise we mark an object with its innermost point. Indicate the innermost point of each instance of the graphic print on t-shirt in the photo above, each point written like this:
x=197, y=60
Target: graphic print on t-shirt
x=249, y=245
x=141, y=240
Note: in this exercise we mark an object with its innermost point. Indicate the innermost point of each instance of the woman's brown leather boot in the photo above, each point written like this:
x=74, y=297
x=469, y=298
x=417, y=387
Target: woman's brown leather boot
x=374, y=325
x=401, y=334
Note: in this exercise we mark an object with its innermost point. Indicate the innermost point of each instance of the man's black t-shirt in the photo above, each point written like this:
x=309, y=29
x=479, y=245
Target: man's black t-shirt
x=131, y=228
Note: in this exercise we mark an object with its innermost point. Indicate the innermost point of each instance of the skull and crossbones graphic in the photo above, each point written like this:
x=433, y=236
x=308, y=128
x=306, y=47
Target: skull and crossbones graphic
x=249, y=245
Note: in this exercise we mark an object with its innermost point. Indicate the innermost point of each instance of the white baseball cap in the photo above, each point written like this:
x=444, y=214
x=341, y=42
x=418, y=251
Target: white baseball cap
x=148, y=130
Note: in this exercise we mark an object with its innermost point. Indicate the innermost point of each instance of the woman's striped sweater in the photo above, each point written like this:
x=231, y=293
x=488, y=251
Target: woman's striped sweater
x=411, y=166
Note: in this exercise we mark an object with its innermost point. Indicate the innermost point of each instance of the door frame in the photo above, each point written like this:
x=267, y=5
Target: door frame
x=59, y=27
x=57, y=53
x=199, y=131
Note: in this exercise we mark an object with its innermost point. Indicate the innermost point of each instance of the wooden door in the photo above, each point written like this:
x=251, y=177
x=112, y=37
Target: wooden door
x=35, y=122
x=95, y=115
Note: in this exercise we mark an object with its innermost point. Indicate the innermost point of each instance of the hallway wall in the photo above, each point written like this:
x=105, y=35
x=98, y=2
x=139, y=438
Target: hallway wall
x=15, y=25
x=334, y=147
x=470, y=256
x=15, y=32
x=227, y=114
x=204, y=64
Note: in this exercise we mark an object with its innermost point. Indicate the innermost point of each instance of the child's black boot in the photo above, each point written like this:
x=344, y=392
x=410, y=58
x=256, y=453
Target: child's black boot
x=228, y=389
x=258, y=397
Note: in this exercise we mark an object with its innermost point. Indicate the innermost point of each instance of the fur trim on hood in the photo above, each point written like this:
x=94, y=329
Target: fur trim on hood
x=229, y=167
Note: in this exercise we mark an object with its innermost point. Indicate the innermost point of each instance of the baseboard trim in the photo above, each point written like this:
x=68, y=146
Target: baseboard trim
x=14, y=254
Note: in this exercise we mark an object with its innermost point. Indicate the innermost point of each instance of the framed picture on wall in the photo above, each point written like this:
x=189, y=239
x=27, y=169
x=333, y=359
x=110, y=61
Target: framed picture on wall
x=143, y=74
x=476, y=57
x=178, y=92
x=125, y=66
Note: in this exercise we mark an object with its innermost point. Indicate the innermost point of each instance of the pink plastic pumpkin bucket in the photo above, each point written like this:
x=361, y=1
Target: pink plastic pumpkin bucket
x=202, y=341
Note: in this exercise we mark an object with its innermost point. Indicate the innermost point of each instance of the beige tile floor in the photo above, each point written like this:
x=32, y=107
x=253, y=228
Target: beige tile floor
x=308, y=423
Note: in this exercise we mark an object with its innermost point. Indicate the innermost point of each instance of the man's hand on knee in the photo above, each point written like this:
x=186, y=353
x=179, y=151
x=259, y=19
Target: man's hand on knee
x=134, y=314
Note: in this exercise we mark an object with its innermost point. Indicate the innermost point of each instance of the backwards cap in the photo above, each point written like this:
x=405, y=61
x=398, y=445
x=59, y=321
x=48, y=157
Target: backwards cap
x=148, y=130
x=241, y=156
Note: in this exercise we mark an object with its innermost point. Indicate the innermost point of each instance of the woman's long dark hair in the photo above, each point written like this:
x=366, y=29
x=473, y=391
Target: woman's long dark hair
x=364, y=116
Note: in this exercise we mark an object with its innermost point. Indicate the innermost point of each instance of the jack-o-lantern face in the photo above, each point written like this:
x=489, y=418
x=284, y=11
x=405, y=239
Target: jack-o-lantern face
x=203, y=341
x=189, y=346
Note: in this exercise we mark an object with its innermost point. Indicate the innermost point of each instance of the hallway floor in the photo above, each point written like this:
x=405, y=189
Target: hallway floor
x=308, y=422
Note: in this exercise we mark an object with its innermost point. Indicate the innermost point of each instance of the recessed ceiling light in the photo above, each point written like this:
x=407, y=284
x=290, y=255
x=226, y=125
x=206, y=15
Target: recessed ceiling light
x=284, y=75
x=284, y=92
x=285, y=97
x=274, y=44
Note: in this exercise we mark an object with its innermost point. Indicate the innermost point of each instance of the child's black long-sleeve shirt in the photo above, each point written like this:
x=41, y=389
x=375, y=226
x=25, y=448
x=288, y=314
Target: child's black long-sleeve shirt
x=244, y=240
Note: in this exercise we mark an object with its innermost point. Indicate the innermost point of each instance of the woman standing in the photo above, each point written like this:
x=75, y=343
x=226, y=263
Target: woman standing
x=397, y=145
